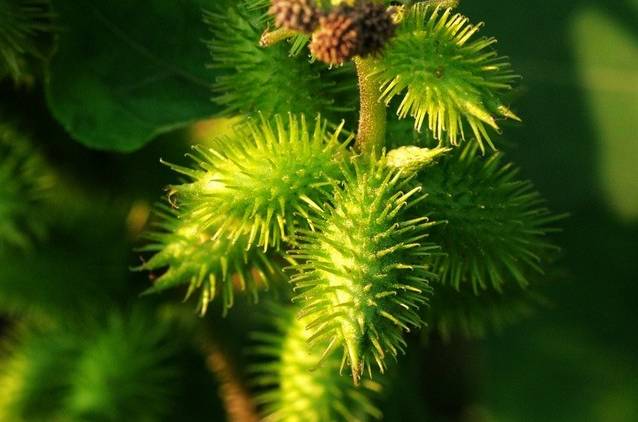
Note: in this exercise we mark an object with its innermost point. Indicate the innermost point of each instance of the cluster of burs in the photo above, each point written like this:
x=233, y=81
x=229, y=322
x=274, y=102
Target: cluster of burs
x=371, y=213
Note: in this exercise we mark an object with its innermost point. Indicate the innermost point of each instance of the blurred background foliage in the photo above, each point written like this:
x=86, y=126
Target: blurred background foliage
x=573, y=361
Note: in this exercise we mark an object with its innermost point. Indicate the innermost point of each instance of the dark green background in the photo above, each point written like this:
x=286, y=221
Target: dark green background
x=579, y=143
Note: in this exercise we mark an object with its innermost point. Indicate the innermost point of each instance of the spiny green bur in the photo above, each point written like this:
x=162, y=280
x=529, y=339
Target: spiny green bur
x=295, y=388
x=445, y=75
x=261, y=182
x=364, y=277
x=496, y=224
x=190, y=255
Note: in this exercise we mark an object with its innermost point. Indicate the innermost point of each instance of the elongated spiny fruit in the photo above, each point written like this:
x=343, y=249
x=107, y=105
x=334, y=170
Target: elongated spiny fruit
x=259, y=184
x=446, y=77
x=184, y=253
x=294, y=387
x=365, y=273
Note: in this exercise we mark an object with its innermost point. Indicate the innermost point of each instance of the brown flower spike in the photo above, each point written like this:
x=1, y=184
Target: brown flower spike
x=297, y=15
x=350, y=31
x=338, y=37
x=377, y=27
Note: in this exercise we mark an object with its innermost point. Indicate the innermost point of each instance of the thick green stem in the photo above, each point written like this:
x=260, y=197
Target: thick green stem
x=372, y=112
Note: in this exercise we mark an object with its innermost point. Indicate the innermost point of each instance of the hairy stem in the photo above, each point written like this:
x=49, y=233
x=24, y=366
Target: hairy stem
x=372, y=112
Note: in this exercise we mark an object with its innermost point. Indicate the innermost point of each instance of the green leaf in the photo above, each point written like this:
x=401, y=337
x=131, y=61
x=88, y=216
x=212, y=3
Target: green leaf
x=125, y=72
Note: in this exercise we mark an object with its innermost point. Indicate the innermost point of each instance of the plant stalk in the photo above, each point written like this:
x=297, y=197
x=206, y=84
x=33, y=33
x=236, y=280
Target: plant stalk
x=235, y=397
x=372, y=112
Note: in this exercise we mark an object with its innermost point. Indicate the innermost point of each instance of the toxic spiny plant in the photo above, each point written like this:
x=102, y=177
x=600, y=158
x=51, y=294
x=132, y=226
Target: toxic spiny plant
x=376, y=232
x=366, y=267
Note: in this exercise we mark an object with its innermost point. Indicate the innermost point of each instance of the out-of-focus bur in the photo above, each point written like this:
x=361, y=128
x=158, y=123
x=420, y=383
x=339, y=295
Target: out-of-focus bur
x=25, y=183
x=294, y=387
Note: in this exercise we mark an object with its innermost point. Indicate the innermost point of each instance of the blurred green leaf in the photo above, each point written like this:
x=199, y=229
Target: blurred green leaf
x=608, y=67
x=125, y=71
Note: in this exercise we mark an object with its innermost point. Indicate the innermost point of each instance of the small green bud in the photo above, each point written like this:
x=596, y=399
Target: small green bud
x=410, y=159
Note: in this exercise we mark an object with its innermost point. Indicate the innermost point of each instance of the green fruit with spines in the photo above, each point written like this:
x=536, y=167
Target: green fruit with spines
x=445, y=76
x=261, y=182
x=364, y=272
x=496, y=225
x=186, y=254
x=294, y=387
x=251, y=78
x=25, y=183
